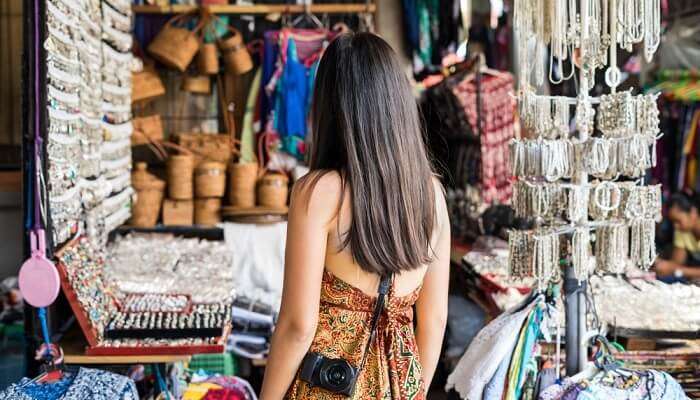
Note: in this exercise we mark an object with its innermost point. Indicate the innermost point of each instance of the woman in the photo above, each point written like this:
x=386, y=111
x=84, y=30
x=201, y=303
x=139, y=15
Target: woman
x=684, y=213
x=370, y=207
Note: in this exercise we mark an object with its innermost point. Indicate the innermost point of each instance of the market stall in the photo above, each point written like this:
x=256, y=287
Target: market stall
x=162, y=140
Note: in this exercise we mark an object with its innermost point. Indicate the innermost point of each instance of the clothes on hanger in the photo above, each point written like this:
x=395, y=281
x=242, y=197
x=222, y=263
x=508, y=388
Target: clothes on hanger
x=290, y=61
x=490, y=109
x=480, y=370
x=431, y=31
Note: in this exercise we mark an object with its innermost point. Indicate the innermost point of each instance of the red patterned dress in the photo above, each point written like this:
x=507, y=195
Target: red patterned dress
x=393, y=369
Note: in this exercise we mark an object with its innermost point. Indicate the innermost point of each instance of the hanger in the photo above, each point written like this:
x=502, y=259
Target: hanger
x=483, y=69
x=308, y=16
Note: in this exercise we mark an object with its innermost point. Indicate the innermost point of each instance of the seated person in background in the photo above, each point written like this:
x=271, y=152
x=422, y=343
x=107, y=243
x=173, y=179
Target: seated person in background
x=684, y=213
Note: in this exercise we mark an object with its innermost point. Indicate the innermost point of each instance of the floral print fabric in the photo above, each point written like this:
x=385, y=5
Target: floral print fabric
x=87, y=384
x=393, y=369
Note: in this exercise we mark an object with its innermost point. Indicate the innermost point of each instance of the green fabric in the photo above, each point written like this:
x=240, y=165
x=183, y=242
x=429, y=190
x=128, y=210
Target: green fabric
x=428, y=26
x=216, y=29
x=247, y=134
x=522, y=355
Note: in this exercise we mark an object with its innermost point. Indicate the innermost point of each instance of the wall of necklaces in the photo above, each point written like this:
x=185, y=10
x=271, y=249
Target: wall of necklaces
x=88, y=63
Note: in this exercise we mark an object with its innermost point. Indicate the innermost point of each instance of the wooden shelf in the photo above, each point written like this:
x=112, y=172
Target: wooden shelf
x=336, y=8
x=78, y=358
x=74, y=346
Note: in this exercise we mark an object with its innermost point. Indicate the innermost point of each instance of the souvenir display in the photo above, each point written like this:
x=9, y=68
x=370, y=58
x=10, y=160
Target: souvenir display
x=615, y=137
x=163, y=314
x=594, y=28
x=166, y=264
x=604, y=201
x=88, y=46
x=647, y=305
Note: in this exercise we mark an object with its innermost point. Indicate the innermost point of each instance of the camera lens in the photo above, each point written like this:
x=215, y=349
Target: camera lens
x=336, y=375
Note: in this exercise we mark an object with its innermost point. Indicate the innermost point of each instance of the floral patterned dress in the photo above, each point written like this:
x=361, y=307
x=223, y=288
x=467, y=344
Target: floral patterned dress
x=393, y=369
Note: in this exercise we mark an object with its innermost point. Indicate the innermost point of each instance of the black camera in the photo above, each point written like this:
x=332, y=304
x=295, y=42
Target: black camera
x=333, y=374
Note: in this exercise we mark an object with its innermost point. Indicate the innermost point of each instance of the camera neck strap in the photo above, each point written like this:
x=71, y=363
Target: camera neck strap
x=382, y=293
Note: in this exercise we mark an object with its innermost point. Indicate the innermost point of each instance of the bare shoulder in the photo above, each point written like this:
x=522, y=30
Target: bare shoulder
x=440, y=203
x=318, y=193
x=439, y=189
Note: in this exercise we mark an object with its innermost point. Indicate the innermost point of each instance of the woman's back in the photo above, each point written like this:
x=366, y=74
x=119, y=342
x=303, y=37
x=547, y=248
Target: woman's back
x=369, y=208
x=339, y=260
x=348, y=294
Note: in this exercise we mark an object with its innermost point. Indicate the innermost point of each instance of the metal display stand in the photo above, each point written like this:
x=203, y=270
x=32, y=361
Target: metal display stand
x=575, y=311
x=550, y=158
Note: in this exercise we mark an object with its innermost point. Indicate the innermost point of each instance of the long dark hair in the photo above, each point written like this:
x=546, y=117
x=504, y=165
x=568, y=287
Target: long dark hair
x=366, y=127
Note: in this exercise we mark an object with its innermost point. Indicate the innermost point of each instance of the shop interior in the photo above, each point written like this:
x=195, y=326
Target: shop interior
x=148, y=149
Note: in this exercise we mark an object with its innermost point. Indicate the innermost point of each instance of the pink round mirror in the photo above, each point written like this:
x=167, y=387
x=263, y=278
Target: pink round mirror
x=39, y=281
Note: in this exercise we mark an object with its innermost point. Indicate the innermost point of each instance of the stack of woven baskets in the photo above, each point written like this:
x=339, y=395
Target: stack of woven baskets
x=149, y=195
x=248, y=190
x=196, y=186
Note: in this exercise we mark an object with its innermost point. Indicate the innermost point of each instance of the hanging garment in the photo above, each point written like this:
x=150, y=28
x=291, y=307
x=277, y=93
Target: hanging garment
x=293, y=98
x=86, y=384
x=496, y=387
x=428, y=32
x=289, y=67
x=487, y=351
x=522, y=357
x=392, y=370
x=451, y=139
x=496, y=125
x=410, y=25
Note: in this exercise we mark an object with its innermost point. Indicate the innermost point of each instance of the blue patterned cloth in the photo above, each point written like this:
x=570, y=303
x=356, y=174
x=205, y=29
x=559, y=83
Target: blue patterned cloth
x=86, y=384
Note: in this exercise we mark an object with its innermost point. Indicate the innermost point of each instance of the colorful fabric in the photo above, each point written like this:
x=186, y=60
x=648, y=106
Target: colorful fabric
x=653, y=385
x=496, y=387
x=487, y=351
x=528, y=363
x=224, y=394
x=197, y=391
x=289, y=69
x=496, y=125
x=393, y=370
x=428, y=30
x=86, y=384
x=517, y=362
x=235, y=383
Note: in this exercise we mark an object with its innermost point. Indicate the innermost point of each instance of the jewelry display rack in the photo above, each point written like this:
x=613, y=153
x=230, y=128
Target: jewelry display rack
x=554, y=165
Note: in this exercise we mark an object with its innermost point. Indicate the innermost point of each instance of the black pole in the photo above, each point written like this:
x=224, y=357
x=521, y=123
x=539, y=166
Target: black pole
x=575, y=306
